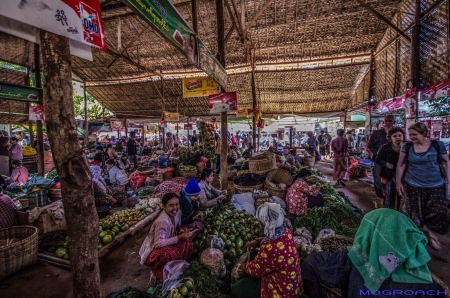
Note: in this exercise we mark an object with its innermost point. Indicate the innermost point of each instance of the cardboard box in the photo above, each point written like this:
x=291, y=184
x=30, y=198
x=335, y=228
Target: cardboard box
x=46, y=224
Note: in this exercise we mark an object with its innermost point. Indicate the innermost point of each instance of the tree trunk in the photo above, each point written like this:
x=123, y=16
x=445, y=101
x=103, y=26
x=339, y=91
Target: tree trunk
x=71, y=164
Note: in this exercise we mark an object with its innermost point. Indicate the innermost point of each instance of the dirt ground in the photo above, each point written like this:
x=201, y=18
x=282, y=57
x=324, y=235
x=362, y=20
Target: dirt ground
x=121, y=268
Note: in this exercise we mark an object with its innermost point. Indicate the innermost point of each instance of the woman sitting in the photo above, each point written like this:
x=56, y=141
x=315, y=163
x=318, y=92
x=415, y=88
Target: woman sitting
x=388, y=257
x=124, y=163
x=100, y=192
x=209, y=197
x=189, y=205
x=146, y=151
x=116, y=174
x=19, y=173
x=301, y=196
x=167, y=241
x=275, y=272
x=232, y=155
x=100, y=157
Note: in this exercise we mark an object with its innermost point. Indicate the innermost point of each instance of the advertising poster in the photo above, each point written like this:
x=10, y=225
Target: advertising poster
x=209, y=64
x=163, y=123
x=174, y=117
x=116, y=124
x=36, y=113
x=410, y=103
x=197, y=87
x=224, y=102
x=243, y=112
x=188, y=127
x=75, y=19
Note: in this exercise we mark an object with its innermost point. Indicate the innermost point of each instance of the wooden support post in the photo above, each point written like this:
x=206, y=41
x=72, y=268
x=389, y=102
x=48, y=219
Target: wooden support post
x=126, y=126
x=194, y=15
x=162, y=116
x=223, y=116
x=253, y=100
x=40, y=132
x=86, y=120
x=415, y=53
x=371, y=88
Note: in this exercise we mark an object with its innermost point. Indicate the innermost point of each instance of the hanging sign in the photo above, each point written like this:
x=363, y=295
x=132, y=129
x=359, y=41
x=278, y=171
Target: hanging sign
x=171, y=116
x=166, y=19
x=36, y=113
x=163, y=123
x=116, y=124
x=20, y=93
x=411, y=103
x=390, y=105
x=243, y=112
x=209, y=64
x=197, y=87
x=223, y=102
x=188, y=127
x=75, y=19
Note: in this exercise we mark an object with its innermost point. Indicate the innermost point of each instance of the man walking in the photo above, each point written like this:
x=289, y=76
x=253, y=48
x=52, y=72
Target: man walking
x=378, y=139
x=328, y=144
x=321, y=139
x=132, y=151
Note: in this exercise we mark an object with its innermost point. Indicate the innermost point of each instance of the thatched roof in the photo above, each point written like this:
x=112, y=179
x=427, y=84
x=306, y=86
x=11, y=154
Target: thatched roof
x=286, y=32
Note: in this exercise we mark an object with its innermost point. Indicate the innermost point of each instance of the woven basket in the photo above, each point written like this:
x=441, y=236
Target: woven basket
x=188, y=174
x=278, y=176
x=244, y=189
x=308, y=161
x=259, y=166
x=55, y=194
x=19, y=254
x=230, y=188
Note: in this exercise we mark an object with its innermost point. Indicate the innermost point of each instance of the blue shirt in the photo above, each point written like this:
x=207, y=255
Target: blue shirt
x=423, y=169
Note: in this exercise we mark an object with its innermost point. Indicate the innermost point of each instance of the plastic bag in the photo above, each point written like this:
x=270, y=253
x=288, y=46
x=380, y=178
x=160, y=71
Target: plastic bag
x=244, y=201
x=236, y=273
x=212, y=241
x=279, y=201
x=303, y=232
x=213, y=259
x=145, y=250
x=171, y=273
x=323, y=234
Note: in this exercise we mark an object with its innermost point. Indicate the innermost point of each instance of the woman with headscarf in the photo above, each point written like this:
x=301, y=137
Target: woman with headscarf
x=388, y=257
x=275, y=272
x=100, y=192
x=339, y=146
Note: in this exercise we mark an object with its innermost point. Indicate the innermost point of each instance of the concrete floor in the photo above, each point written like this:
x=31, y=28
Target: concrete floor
x=362, y=195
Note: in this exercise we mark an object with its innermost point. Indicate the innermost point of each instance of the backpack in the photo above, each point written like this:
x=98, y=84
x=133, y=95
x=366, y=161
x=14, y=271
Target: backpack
x=435, y=145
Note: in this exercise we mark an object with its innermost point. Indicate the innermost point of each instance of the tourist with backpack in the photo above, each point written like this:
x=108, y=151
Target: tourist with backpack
x=425, y=188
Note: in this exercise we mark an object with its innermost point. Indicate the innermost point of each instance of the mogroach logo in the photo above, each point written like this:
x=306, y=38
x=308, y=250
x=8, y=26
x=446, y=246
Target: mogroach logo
x=403, y=293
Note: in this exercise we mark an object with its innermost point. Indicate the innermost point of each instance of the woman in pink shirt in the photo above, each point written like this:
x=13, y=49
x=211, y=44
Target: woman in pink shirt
x=167, y=241
x=19, y=174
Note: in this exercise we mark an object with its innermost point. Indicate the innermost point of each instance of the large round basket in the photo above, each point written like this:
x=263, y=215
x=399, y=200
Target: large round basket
x=244, y=189
x=18, y=249
x=145, y=170
x=278, y=176
x=188, y=174
x=259, y=166
x=335, y=243
x=308, y=161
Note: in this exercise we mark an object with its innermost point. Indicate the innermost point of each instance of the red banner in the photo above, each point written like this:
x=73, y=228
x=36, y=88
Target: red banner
x=223, y=102
x=163, y=123
x=188, y=127
x=36, y=113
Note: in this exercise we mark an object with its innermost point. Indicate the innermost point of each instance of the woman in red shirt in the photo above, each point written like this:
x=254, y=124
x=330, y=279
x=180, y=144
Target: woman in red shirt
x=276, y=268
x=301, y=196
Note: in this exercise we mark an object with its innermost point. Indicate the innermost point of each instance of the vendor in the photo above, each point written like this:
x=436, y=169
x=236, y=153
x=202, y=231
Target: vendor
x=167, y=241
x=111, y=152
x=8, y=217
x=19, y=174
x=146, y=151
x=388, y=254
x=275, y=272
x=189, y=204
x=232, y=155
x=248, y=151
x=100, y=191
x=124, y=163
x=209, y=197
x=293, y=159
x=116, y=174
x=301, y=196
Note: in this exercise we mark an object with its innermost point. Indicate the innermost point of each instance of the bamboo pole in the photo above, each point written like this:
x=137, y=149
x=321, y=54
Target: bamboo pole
x=86, y=121
x=415, y=53
x=40, y=132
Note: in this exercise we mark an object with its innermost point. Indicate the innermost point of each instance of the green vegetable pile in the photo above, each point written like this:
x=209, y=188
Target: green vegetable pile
x=234, y=227
x=337, y=216
x=130, y=292
x=188, y=168
x=145, y=192
x=205, y=283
